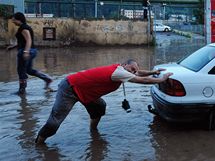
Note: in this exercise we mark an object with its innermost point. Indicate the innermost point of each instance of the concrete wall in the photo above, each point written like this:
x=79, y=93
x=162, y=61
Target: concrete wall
x=72, y=32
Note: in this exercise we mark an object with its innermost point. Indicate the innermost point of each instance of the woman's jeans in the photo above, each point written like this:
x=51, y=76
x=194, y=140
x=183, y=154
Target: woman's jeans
x=25, y=67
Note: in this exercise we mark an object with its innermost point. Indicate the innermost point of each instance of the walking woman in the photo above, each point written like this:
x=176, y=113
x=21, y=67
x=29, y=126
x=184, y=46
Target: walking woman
x=26, y=53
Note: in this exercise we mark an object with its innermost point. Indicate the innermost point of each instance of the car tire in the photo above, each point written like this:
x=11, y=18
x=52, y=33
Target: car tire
x=166, y=30
x=211, y=121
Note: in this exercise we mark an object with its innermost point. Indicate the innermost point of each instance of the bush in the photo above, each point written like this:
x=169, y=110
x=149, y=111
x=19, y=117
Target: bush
x=6, y=11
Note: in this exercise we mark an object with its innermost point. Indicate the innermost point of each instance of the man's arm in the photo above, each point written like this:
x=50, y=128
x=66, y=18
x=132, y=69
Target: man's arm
x=150, y=80
x=147, y=73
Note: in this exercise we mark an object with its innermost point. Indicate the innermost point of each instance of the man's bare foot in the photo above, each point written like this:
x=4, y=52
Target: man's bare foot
x=48, y=82
x=40, y=140
x=50, y=90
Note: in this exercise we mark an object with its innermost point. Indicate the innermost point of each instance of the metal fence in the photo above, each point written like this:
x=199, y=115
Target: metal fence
x=179, y=17
x=87, y=9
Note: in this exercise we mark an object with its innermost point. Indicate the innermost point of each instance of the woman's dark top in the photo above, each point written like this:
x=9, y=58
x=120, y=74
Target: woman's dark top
x=20, y=38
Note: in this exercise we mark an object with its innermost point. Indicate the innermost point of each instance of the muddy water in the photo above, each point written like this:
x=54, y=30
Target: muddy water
x=135, y=136
x=67, y=60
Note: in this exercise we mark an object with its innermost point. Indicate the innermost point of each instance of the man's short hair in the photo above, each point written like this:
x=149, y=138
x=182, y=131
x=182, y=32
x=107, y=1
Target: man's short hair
x=130, y=61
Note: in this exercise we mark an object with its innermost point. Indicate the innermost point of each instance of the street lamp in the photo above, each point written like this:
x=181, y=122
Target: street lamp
x=164, y=12
x=102, y=3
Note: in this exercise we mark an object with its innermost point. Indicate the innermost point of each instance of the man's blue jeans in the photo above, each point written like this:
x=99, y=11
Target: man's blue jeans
x=64, y=102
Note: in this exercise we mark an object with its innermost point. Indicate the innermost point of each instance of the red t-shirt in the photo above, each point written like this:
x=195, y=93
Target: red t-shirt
x=91, y=84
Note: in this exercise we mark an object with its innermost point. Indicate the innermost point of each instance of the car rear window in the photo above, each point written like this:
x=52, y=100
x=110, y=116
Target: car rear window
x=198, y=59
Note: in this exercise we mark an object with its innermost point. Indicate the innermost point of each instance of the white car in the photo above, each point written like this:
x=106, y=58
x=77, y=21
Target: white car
x=161, y=27
x=189, y=94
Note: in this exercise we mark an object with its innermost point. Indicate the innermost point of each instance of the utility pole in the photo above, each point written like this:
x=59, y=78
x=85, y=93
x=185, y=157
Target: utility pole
x=208, y=21
x=164, y=11
x=96, y=8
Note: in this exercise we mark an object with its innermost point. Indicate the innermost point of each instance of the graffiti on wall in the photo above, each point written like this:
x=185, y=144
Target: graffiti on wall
x=48, y=23
x=120, y=28
x=110, y=28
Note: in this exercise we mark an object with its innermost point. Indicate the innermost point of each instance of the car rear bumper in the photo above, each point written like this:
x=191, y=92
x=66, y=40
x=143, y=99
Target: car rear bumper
x=180, y=112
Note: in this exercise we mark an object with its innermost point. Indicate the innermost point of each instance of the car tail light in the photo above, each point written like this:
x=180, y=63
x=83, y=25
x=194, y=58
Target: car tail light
x=172, y=87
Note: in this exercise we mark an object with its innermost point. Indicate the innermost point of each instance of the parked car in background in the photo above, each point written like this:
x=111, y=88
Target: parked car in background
x=161, y=27
x=189, y=94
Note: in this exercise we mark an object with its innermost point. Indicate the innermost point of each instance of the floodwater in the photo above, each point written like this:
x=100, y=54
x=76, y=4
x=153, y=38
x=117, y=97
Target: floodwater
x=135, y=136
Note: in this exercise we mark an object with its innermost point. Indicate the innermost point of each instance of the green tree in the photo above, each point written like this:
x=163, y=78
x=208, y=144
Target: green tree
x=6, y=10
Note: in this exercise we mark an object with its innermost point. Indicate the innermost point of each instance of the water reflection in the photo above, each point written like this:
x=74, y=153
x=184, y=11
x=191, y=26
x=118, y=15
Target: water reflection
x=28, y=125
x=27, y=122
x=181, y=141
x=97, y=148
x=58, y=61
x=7, y=65
x=50, y=60
x=48, y=153
x=176, y=51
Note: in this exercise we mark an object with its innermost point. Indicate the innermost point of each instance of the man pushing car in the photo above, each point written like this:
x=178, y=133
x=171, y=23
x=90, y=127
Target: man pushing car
x=88, y=87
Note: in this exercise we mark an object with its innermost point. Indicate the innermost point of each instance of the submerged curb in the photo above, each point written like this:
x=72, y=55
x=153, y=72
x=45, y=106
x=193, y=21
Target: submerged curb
x=183, y=33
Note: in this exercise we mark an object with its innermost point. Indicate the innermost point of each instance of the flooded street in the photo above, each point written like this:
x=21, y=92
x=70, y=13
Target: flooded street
x=135, y=136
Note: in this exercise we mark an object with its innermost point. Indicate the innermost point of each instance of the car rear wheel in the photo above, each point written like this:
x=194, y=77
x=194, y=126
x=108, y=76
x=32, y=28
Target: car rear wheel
x=211, y=121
